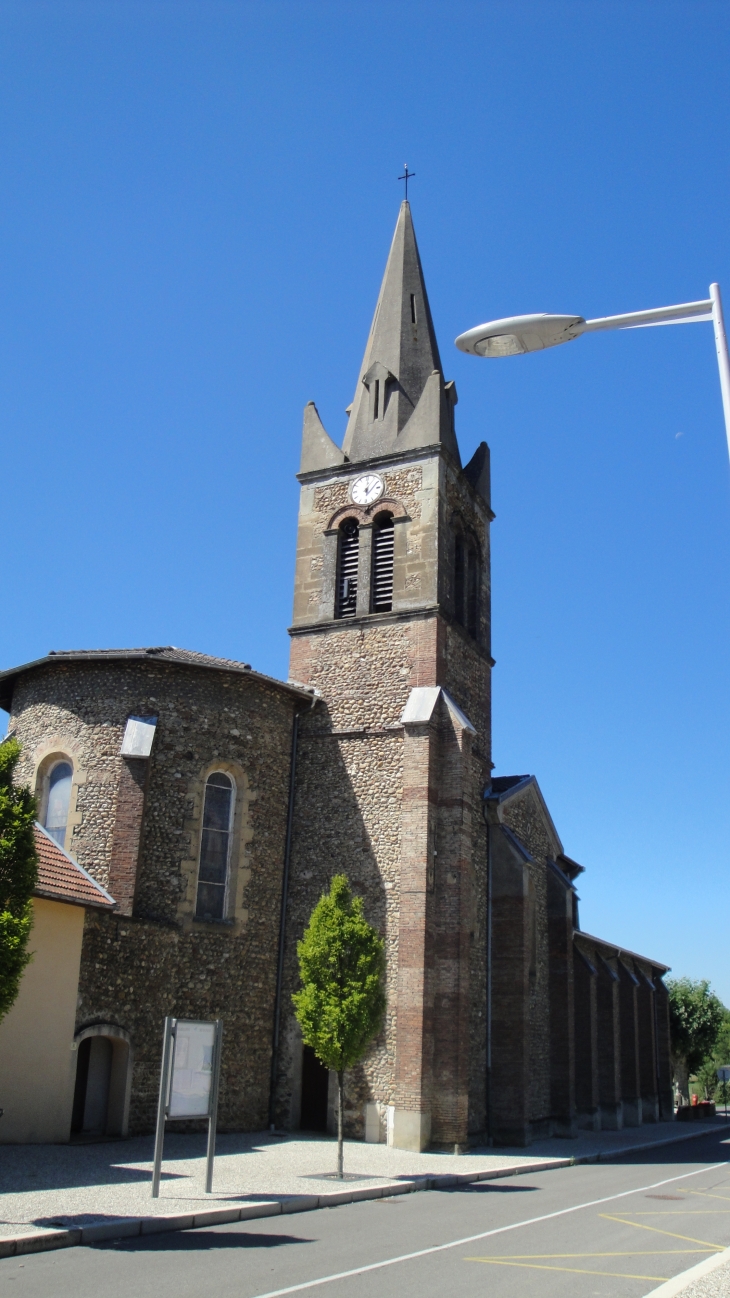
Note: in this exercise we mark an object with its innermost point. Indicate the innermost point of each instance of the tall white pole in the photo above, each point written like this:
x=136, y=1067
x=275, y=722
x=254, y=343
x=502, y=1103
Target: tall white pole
x=723, y=360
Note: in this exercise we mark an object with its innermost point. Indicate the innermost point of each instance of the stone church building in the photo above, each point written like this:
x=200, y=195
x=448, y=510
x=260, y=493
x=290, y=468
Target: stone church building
x=214, y=803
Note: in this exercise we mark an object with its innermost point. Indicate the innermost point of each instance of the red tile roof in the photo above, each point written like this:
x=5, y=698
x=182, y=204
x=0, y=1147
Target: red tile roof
x=60, y=878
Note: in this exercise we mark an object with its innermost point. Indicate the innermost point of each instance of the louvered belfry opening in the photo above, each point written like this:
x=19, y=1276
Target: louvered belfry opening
x=466, y=584
x=459, y=580
x=472, y=588
x=383, y=545
x=349, y=548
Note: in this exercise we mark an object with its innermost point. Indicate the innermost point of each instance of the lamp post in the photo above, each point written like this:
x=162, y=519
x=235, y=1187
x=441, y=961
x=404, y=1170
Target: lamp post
x=516, y=335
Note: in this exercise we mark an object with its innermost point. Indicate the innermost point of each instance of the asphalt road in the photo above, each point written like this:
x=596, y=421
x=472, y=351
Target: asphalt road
x=614, y=1230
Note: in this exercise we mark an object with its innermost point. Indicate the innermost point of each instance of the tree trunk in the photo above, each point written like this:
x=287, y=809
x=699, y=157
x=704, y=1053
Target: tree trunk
x=340, y=1108
x=681, y=1074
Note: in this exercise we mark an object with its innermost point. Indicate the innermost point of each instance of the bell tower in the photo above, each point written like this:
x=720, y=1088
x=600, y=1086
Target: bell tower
x=399, y=457
x=392, y=626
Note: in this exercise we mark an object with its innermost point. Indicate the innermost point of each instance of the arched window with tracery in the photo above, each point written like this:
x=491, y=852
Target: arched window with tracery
x=383, y=551
x=58, y=800
x=215, y=846
x=348, y=554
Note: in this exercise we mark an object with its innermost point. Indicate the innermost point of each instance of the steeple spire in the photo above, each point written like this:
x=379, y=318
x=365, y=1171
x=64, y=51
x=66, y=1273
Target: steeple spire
x=401, y=401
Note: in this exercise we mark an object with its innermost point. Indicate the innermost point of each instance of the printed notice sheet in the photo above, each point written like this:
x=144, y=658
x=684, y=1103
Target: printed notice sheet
x=192, y=1069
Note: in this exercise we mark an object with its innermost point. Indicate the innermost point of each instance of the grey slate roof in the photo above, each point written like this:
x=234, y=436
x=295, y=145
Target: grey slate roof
x=619, y=950
x=163, y=653
x=503, y=783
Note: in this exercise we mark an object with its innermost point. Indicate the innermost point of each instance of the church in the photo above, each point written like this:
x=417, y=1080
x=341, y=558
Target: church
x=212, y=804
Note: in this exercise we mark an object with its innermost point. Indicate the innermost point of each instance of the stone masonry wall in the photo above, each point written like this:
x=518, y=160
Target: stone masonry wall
x=137, y=969
x=348, y=812
x=523, y=815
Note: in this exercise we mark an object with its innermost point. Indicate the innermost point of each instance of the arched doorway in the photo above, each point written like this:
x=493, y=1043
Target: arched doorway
x=315, y=1091
x=103, y=1082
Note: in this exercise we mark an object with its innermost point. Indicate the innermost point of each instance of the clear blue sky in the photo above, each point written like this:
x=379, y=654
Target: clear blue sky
x=198, y=200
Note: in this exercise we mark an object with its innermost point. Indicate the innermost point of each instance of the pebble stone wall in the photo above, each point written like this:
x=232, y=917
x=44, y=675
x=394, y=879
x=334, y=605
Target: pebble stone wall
x=137, y=969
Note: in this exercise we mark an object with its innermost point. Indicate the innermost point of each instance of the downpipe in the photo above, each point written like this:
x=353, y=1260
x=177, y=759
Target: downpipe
x=282, y=916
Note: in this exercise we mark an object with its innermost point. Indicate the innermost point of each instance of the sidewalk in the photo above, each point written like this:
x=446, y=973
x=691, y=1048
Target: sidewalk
x=57, y=1195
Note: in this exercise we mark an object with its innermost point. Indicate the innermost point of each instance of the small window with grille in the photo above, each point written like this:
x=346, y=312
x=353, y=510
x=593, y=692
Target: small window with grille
x=215, y=847
x=383, y=547
x=347, y=561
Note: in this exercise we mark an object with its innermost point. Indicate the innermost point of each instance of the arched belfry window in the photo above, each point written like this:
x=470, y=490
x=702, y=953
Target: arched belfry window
x=472, y=588
x=383, y=549
x=466, y=583
x=347, y=561
x=57, y=802
x=459, y=580
x=215, y=847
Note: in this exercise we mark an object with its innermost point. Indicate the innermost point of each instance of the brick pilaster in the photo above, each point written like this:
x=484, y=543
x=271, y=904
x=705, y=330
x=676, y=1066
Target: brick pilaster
x=663, y=1056
x=586, y=1041
x=453, y=927
x=414, y=1052
x=509, y=1105
x=562, y=1014
x=128, y=814
x=630, y=1088
x=609, y=1047
x=646, y=1034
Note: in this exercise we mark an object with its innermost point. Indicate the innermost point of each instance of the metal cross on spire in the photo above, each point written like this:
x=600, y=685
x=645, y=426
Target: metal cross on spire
x=408, y=175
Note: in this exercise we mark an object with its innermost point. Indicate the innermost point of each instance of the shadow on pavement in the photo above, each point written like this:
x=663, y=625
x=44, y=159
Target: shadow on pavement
x=212, y=1237
x=687, y=1151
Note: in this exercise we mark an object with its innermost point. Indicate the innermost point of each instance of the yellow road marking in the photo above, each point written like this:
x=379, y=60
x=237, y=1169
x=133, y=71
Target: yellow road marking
x=685, y=1212
x=545, y=1257
x=706, y=1194
x=639, y=1225
x=574, y=1270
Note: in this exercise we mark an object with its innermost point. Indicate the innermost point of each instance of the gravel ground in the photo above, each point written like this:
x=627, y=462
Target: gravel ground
x=714, y=1285
x=51, y=1185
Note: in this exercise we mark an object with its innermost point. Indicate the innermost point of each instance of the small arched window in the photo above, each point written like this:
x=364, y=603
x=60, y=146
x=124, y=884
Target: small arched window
x=215, y=847
x=57, y=802
x=383, y=549
x=347, y=562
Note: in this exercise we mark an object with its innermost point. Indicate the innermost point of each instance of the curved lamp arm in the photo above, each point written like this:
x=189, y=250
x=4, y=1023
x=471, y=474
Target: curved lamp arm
x=516, y=335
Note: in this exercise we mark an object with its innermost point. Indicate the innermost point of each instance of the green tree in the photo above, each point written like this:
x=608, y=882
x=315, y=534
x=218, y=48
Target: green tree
x=722, y=1045
x=18, y=875
x=341, y=1004
x=696, y=1017
x=711, y=1088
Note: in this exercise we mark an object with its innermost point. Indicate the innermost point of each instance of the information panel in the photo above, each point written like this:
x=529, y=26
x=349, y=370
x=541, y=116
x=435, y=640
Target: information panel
x=189, y=1081
x=192, y=1069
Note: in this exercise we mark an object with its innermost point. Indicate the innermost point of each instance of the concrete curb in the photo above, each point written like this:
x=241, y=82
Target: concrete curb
x=40, y=1241
x=683, y=1281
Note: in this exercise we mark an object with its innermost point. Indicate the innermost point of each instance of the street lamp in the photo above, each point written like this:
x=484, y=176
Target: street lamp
x=518, y=334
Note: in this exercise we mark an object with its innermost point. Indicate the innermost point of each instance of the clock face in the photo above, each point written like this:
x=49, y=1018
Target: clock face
x=367, y=489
